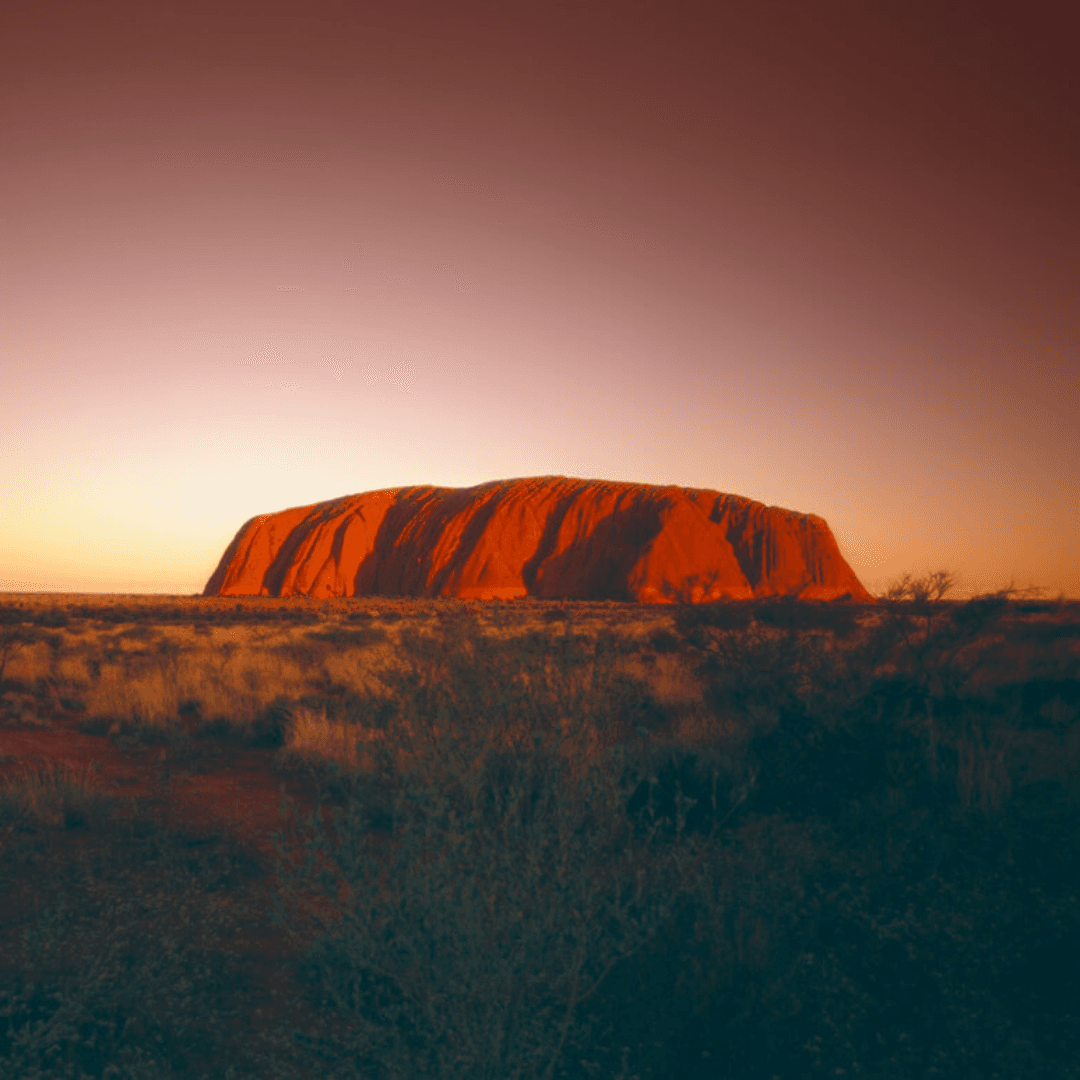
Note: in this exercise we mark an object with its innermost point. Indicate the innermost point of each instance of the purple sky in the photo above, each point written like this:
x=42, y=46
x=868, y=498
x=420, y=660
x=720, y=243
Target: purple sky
x=254, y=256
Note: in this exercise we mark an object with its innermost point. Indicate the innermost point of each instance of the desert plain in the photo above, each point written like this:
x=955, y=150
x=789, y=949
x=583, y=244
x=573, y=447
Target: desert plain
x=376, y=836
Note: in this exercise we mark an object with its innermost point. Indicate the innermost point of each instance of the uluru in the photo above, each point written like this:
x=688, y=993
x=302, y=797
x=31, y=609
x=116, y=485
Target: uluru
x=548, y=537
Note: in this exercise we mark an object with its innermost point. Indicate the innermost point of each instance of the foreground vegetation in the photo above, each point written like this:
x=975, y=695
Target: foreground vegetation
x=565, y=840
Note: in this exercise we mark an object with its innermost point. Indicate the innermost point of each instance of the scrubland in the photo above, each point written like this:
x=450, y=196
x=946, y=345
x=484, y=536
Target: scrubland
x=548, y=839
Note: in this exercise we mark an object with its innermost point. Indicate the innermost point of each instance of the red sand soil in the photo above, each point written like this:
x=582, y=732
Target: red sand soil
x=227, y=792
x=236, y=794
x=203, y=792
x=544, y=537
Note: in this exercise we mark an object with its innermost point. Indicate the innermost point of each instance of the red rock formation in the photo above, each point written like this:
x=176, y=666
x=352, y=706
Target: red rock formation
x=547, y=537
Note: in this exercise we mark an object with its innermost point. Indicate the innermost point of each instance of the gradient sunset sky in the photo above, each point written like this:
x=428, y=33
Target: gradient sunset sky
x=258, y=255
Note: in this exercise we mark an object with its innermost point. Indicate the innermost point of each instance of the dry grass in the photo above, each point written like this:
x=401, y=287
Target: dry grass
x=146, y=674
x=53, y=795
x=879, y=810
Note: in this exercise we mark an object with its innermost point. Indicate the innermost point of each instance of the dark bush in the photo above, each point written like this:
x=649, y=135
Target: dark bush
x=1030, y=700
x=664, y=642
x=1043, y=607
x=310, y=652
x=269, y=727
x=665, y=777
x=637, y=709
x=1047, y=635
x=722, y=615
x=788, y=613
x=351, y=637
x=979, y=613
x=52, y=618
x=807, y=768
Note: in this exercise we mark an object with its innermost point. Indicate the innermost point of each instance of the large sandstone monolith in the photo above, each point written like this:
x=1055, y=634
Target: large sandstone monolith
x=549, y=537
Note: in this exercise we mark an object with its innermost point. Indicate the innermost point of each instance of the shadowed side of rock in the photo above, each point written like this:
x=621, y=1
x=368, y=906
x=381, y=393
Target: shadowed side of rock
x=544, y=537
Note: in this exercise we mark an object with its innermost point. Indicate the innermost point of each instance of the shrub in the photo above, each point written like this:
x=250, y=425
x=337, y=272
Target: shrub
x=722, y=615
x=470, y=946
x=351, y=637
x=664, y=642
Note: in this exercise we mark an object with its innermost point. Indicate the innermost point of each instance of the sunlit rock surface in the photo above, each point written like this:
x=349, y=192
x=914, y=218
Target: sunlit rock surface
x=547, y=537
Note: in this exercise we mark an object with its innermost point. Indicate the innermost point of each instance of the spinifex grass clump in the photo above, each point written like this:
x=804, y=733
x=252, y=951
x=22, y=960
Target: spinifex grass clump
x=52, y=795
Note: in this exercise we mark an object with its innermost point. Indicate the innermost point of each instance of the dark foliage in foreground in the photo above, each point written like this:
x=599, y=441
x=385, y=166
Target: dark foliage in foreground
x=872, y=882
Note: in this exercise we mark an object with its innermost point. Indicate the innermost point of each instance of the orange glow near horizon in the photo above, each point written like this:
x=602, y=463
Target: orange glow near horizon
x=260, y=256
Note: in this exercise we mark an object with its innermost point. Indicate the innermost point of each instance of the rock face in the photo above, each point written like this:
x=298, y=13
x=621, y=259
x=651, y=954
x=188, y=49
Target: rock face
x=546, y=537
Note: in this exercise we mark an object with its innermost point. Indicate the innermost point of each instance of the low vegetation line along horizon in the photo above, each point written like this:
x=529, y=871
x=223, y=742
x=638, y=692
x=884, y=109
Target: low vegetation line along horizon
x=721, y=840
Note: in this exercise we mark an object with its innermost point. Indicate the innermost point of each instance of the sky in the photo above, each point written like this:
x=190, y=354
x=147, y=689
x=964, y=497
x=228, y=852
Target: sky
x=260, y=255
